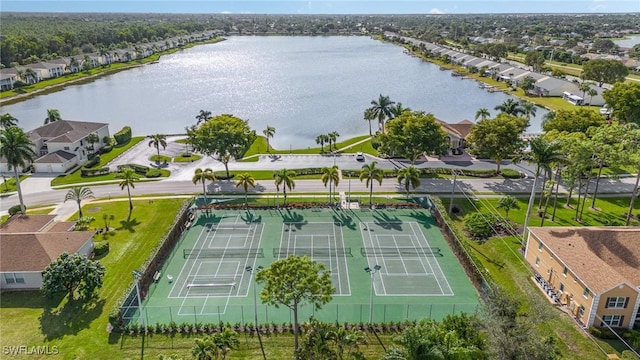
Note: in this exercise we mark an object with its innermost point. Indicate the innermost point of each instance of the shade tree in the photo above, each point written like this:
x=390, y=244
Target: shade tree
x=604, y=71
x=574, y=120
x=71, y=273
x=624, y=102
x=497, y=138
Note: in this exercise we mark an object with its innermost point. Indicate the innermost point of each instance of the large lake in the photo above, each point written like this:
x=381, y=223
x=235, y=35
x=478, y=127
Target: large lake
x=303, y=86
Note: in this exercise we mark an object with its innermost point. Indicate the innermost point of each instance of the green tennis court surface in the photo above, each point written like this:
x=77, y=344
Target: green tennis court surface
x=205, y=281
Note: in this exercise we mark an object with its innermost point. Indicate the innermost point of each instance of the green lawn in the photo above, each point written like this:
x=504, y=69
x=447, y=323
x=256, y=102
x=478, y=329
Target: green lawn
x=501, y=259
x=79, y=330
x=259, y=146
x=161, y=158
x=10, y=184
x=184, y=158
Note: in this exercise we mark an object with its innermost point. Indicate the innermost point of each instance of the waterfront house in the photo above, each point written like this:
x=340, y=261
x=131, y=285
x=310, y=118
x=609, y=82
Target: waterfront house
x=554, y=87
x=592, y=271
x=28, y=244
x=62, y=145
x=48, y=70
x=7, y=78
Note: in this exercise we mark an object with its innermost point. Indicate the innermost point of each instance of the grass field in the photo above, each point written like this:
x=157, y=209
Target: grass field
x=79, y=330
x=259, y=146
x=501, y=258
x=10, y=184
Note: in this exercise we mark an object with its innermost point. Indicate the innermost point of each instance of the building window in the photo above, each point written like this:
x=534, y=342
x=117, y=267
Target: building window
x=613, y=320
x=586, y=293
x=539, y=246
x=581, y=311
x=564, y=271
x=14, y=278
x=538, y=262
x=617, y=302
x=561, y=287
x=66, y=148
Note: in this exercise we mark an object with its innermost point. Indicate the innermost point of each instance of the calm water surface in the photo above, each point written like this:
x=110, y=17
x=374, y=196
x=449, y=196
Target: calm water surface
x=303, y=86
x=629, y=42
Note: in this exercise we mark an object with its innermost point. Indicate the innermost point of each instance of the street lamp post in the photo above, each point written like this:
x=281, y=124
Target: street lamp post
x=250, y=270
x=137, y=275
x=371, y=272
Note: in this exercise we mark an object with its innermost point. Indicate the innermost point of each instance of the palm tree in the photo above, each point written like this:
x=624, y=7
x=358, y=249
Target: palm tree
x=370, y=173
x=397, y=110
x=591, y=92
x=369, y=115
x=321, y=139
x=584, y=87
x=203, y=116
x=77, y=194
x=548, y=117
x=7, y=120
x=330, y=175
x=542, y=153
x=129, y=177
x=158, y=140
x=333, y=137
x=268, y=132
x=74, y=65
x=411, y=177
x=52, y=115
x=225, y=341
x=285, y=177
x=510, y=107
x=382, y=110
x=507, y=203
x=202, y=176
x=92, y=139
x=205, y=349
x=31, y=75
x=17, y=149
x=245, y=180
x=528, y=109
x=482, y=113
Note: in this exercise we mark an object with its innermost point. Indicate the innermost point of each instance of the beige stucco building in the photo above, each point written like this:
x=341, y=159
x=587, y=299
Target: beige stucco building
x=593, y=271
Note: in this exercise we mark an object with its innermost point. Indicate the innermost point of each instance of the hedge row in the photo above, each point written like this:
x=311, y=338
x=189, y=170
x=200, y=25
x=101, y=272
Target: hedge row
x=507, y=173
x=139, y=169
x=123, y=136
x=84, y=172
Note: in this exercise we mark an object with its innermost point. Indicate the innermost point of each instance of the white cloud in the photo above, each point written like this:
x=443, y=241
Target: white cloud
x=597, y=8
x=225, y=12
x=436, y=11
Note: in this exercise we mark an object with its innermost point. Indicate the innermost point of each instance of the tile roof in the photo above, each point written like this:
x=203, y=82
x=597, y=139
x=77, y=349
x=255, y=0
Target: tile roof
x=602, y=257
x=71, y=130
x=58, y=157
x=26, y=224
x=34, y=251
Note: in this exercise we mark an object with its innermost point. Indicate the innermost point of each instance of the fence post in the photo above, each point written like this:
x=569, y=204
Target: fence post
x=170, y=314
x=384, y=314
x=219, y=318
x=407, y=316
x=430, y=310
x=360, y=312
x=337, y=313
x=242, y=313
x=195, y=316
x=454, y=309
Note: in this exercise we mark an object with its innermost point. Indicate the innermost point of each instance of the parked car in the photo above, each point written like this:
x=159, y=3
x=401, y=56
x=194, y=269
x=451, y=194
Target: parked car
x=359, y=156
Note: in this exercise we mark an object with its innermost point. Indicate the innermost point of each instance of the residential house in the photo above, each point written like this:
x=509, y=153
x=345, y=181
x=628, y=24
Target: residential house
x=48, y=70
x=554, y=87
x=62, y=144
x=456, y=134
x=7, y=78
x=28, y=244
x=593, y=271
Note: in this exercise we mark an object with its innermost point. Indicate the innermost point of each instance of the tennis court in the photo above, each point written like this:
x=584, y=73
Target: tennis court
x=205, y=278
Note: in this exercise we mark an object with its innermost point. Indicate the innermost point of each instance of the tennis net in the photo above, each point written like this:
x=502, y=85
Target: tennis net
x=400, y=251
x=310, y=251
x=222, y=253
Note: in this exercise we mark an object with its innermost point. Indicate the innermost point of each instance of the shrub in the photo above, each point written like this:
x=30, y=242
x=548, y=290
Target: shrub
x=95, y=160
x=223, y=176
x=94, y=172
x=153, y=173
x=139, y=169
x=105, y=149
x=101, y=248
x=510, y=174
x=15, y=209
x=478, y=225
x=123, y=136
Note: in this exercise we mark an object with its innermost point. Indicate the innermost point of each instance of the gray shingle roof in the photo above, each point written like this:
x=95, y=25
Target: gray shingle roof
x=69, y=131
x=58, y=157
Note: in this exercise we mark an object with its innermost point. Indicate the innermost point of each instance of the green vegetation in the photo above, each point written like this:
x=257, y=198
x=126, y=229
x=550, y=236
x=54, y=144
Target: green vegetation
x=9, y=185
x=160, y=159
x=259, y=146
x=77, y=329
x=187, y=157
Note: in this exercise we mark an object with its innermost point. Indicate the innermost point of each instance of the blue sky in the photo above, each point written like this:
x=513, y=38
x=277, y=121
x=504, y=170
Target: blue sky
x=326, y=7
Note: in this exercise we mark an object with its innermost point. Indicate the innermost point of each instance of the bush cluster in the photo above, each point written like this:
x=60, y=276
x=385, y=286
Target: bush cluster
x=84, y=172
x=123, y=136
x=153, y=173
x=100, y=248
x=139, y=169
x=93, y=161
x=15, y=209
x=481, y=226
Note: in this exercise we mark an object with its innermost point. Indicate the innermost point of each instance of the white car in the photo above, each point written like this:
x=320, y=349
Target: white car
x=359, y=156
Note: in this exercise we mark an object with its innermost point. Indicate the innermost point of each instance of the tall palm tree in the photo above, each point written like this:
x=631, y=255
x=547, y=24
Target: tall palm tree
x=398, y=109
x=202, y=176
x=321, y=140
x=330, y=175
x=30, y=76
x=333, y=138
x=382, y=110
x=268, y=132
x=528, y=109
x=7, y=120
x=52, y=115
x=128, y=178
x=591, y=92
x=369, y=115
x=507, y=203
x=584, y=86
x=369, y=173
x=17, y=149
x=411, y=177
x=510, y=107
x=92, y=138
x=203, y=116
x=77, y=194
x=285, y=177
x=156, y=141
x=543, y=152
x=245, y=180
x=548, y=117
x=482, y=113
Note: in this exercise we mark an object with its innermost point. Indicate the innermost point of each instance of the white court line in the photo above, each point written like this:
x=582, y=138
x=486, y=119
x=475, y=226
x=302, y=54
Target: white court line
x=404, y=266
x=376, y=257
x=415, y=241
x=187, y=261
x=437, y=263
x=344, y=255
